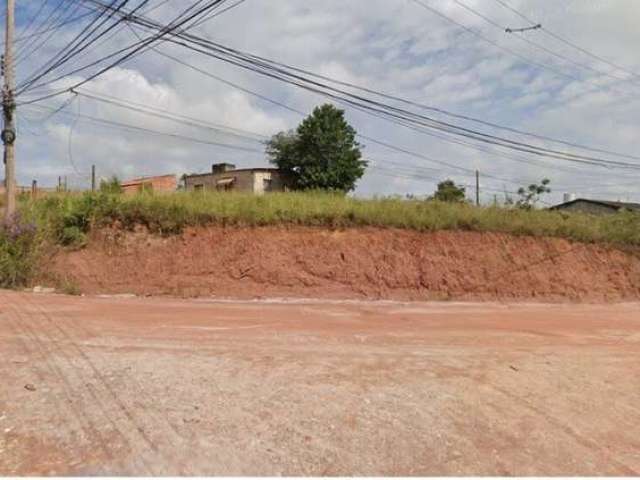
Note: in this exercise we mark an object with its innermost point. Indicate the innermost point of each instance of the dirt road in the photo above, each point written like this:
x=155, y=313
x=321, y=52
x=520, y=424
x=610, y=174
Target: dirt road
x=159, y=386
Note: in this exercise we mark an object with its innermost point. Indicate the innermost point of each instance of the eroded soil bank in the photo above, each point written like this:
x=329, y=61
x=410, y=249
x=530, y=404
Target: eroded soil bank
x=354, y=263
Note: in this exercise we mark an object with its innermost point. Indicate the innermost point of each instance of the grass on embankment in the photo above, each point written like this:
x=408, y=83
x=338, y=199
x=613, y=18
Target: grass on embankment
x=65, y=219
x=67, y=216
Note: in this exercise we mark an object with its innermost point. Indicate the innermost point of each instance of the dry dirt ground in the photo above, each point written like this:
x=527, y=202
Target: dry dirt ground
x=357, y=263
x=161, y=386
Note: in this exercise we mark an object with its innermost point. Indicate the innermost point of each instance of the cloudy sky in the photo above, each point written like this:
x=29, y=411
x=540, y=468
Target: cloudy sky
x=434, y=52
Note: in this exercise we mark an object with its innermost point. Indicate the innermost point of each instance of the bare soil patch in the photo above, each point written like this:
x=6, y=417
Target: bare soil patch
x=363, y=263
x=157, y=386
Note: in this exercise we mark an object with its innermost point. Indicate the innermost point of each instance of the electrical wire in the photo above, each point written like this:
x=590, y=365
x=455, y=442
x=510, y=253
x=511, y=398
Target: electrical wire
x=569, y=43
x=543, y=66
x=535, y=44
x=136, y=128
x=275, y=70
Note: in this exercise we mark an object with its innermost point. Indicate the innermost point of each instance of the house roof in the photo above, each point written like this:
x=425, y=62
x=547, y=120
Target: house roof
x=605, y=203
x=231, y=172
x=136, y=181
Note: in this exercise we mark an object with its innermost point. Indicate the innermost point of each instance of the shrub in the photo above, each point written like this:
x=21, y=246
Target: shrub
x=18, y=252
x=112, y=185
x=73, y=237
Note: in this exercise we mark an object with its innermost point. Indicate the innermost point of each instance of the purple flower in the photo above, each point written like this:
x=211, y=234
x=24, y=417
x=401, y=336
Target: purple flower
x=15, y=228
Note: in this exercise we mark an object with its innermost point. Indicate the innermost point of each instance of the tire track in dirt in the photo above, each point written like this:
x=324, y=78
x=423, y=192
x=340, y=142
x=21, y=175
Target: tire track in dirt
x=92, y=404
x=87, y=424
x=60, y=404
x=586, y=442
x=155, y=430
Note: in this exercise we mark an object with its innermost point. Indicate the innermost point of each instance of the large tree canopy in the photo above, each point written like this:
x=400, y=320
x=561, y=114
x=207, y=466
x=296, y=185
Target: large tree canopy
x=322, y=153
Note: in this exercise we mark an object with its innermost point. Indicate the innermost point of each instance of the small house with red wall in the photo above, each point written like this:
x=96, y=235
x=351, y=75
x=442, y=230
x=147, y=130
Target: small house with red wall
x=162, y=183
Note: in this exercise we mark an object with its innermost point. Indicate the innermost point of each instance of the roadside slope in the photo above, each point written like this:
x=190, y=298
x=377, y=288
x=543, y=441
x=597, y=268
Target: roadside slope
x=352, y=263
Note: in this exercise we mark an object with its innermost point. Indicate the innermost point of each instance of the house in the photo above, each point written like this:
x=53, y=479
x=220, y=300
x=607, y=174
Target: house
x=162, y=183
x=225, y=177
x=595, y=207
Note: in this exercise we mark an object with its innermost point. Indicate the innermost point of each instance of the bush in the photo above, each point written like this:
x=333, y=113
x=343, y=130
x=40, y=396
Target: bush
x=73, y=237
x=112, y=185
x=18, y=252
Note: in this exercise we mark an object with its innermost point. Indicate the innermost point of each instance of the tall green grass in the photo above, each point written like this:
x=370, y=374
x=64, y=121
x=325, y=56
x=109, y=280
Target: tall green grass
x=20, y=249
x=66, y=218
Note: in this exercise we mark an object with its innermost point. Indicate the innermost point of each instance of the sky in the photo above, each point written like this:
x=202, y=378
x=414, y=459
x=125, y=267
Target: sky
x=434, y=52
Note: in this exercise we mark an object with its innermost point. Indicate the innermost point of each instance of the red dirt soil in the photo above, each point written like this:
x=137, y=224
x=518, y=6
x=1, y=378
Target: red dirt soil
x=362, y=263
x=161, y=386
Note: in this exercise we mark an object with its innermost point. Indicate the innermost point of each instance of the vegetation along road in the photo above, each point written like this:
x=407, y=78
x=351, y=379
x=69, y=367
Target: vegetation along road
x=113, y=385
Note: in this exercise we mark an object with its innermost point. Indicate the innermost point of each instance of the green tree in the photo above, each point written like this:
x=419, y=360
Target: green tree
x=448, y=191
x=111, y=186
x=322, y=153
x=530, y=195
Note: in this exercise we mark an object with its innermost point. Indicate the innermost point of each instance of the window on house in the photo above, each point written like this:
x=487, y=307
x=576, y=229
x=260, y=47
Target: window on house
x=199, y=187
x=225, y=184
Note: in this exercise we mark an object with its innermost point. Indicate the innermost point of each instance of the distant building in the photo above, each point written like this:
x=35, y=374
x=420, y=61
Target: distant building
x=595, y=207
x=162, y=183
x=224, y=177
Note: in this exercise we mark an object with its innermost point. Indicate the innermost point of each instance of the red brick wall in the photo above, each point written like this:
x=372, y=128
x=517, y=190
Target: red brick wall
x=165, y=183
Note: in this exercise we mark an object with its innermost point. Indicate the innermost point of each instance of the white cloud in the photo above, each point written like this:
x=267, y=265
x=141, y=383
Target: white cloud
x=391, y=45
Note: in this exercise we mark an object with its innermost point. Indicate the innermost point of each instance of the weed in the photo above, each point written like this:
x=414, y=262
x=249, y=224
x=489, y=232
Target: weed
x=18, y=252
x=66, y=219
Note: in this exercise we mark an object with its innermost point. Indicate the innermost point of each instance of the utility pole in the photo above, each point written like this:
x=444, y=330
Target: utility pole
x=34, y=189
x=59, y=183
x=93, y=178
x=477, y=188
x=8, y=111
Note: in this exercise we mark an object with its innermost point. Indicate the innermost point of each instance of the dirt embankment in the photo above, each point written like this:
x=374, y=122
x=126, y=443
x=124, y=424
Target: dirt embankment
x=352, y=263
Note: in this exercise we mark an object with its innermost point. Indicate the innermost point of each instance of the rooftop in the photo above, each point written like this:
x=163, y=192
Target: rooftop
x=607, y=203
x=230, y=172
x=135, y=181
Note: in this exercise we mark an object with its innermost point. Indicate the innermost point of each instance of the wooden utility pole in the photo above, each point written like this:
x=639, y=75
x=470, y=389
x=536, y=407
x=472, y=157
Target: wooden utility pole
x=477, y=188
x=8, y=111
x=93, y=178
x=59, y=183
x=34, y=189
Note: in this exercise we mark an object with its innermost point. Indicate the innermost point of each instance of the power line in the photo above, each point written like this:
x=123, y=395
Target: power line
x=274, y=70
x=362, y=106
x=535, y=44
x=259, y=65
x=136, y=128
x=514, y=53
x=75, y=45
x=163, y=31
x=367, y=138
x=33, y=18
x=50, y=28
x=456, y=115
x=118, y=30
x=39, y=39
x=569, y=43
x=181, y=119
